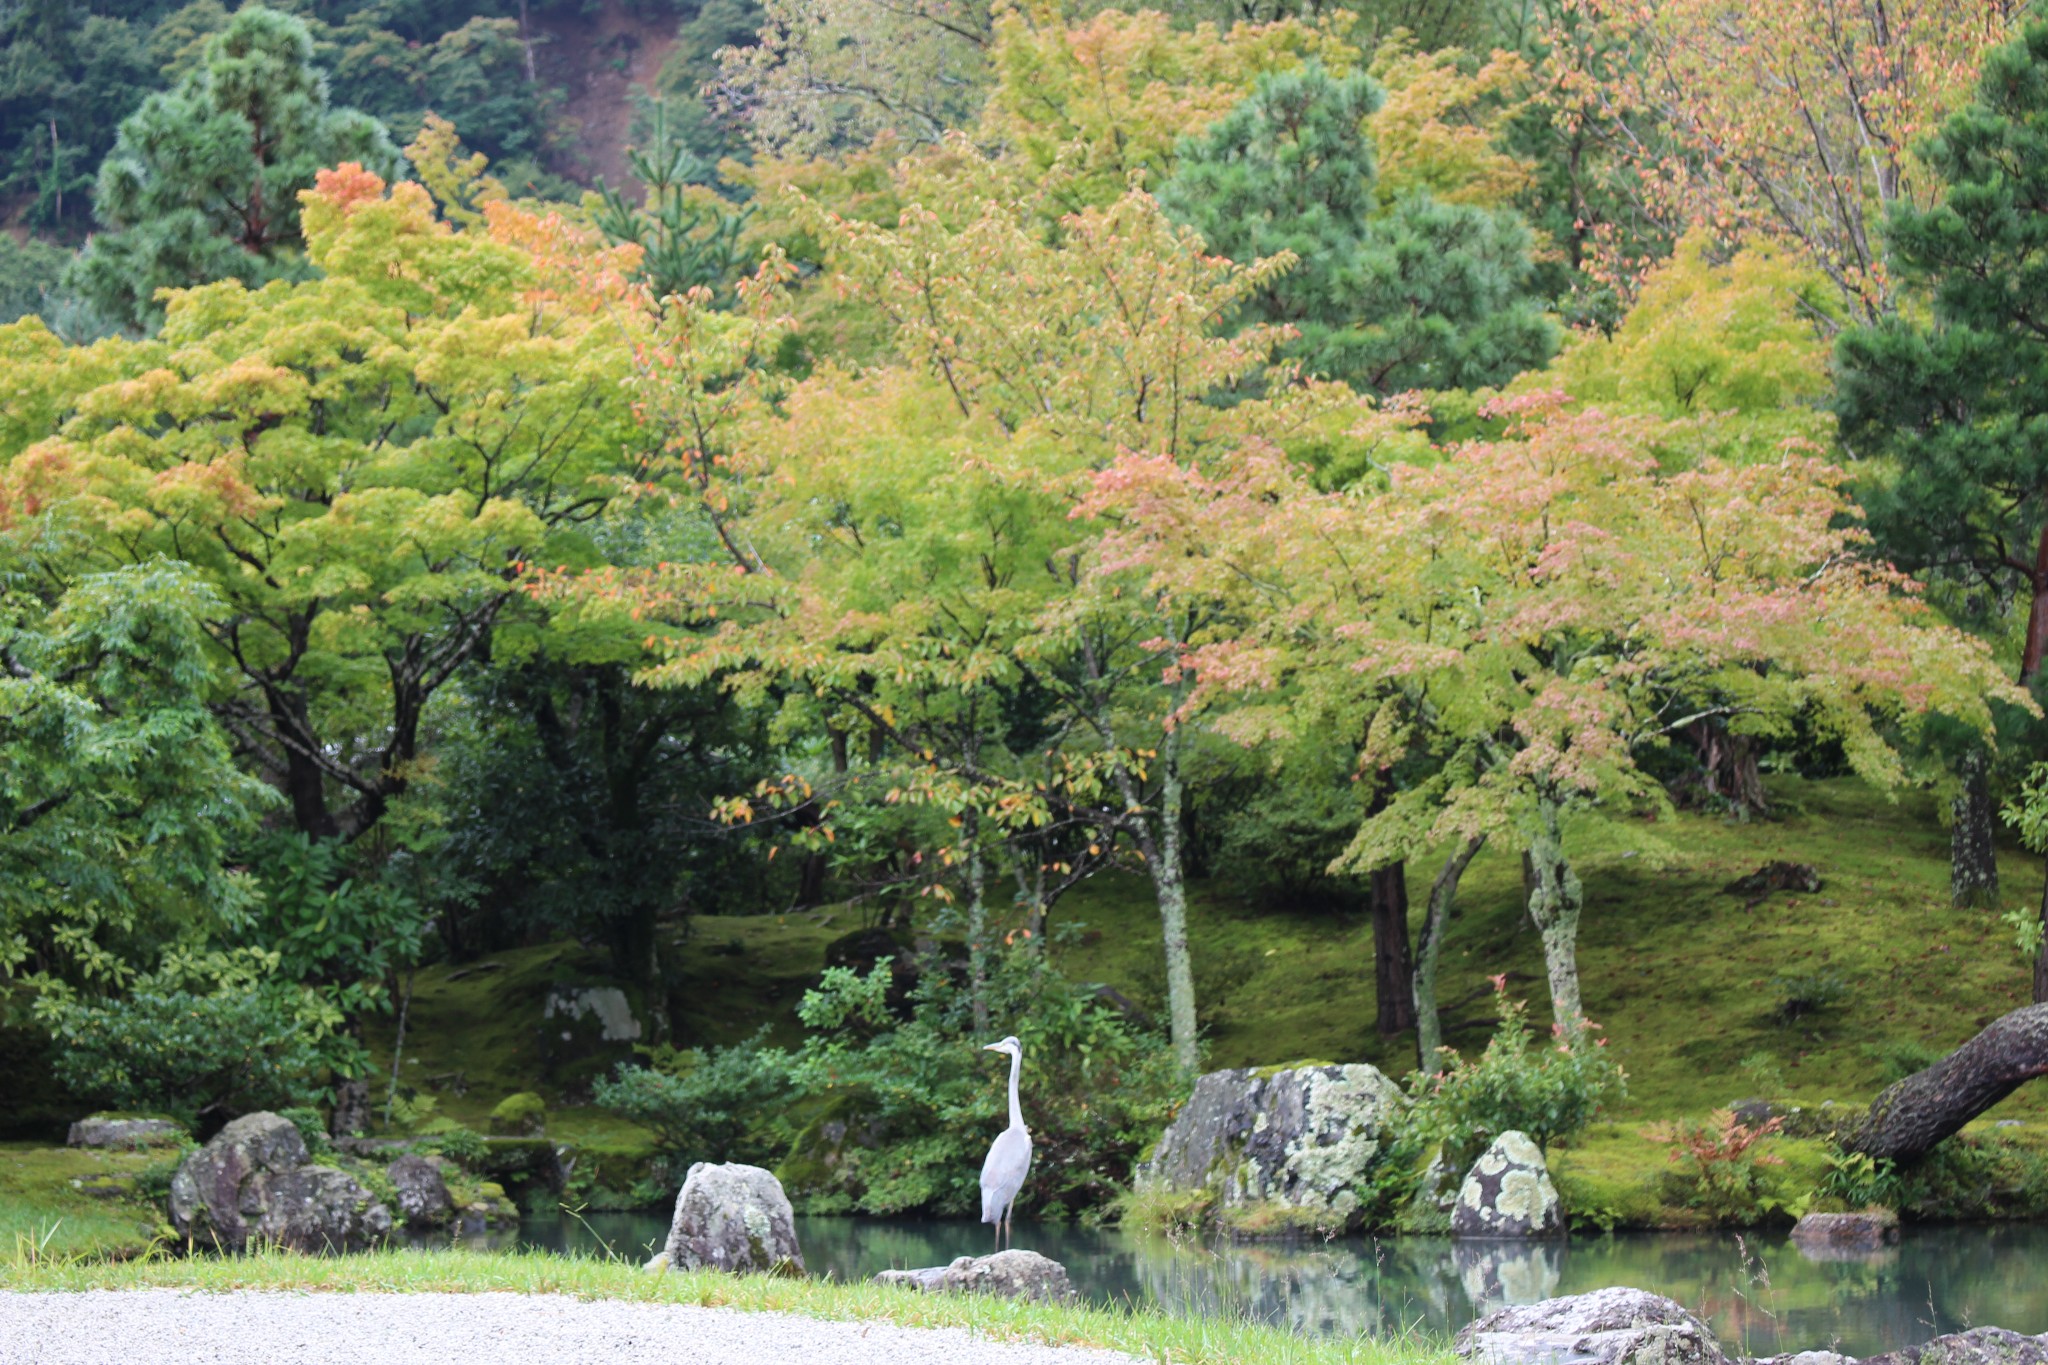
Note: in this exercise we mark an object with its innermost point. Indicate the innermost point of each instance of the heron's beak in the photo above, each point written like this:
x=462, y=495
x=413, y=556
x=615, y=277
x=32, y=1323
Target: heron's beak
x=991, y=1047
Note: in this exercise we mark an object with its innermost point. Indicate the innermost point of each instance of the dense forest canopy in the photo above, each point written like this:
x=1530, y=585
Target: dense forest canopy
x=972, y=450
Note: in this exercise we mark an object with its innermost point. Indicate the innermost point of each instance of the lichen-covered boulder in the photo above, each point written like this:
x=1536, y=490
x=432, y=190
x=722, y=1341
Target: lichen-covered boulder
x=1978, y=1346
x=1508, y=1193
x=253, y=1183
x=423, y=1200
x=1605, y=1327
x=1007, y=1274
x=113, y=1130
x=1278, y=1151
x=736, y=1218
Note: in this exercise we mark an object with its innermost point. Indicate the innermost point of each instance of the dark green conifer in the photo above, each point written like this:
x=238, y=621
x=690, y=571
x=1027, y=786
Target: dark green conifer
x=1424, y=294
x=203, y=181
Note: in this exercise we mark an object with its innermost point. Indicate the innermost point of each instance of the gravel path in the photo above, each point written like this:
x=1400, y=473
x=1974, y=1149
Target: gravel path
x=177, y=1327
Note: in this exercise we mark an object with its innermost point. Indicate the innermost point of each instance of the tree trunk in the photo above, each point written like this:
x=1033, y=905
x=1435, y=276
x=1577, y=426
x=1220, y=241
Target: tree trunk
x=977, y=919
x=1909, y=1118
x=351, y=1108
x=1393, y=969
x=1554, y=906
x=1170, y=883
x=1729, y=767
x=2041, y=953
x=1973, y=857
x=1429, y=1028
x=2037, y=613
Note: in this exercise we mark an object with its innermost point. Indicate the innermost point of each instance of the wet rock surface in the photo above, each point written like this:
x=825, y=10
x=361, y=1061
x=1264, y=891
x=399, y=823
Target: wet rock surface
x=423, y=1200
x=1280, y=1151
x=254, y=1182
x=1014, y=1274
x=735, y=1218
x=1865, y=1231
x=1605, y=1327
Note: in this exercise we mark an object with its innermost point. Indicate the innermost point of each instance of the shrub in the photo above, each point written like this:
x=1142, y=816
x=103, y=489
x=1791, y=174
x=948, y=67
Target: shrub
x=1549, y=1092
x=1721, y=1163
x=522, y=1115
x=1806, y=994
x=463, y=1146
x=725, y=1104
x=184, y=1053
x=885, y=1115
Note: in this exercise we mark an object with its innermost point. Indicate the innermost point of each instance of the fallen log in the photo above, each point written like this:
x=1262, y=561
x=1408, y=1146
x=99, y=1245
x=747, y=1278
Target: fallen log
x=1912, y=1115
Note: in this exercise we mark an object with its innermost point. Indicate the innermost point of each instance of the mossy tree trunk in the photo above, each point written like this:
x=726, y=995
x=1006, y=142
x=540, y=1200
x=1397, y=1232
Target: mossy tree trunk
x=1429, y=1029
x=1973, y=856
x=1910, y=1117
x=1554, y=905
x=1393, y=969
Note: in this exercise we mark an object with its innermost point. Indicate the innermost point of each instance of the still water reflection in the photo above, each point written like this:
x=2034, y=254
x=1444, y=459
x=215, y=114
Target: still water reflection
x=1761, y=1294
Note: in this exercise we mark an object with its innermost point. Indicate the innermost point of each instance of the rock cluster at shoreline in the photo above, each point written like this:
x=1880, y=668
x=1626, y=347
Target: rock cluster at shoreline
x=1634, y=1327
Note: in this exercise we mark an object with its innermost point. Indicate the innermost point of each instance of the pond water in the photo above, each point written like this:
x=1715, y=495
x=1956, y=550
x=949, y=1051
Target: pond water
x=1760, y=1294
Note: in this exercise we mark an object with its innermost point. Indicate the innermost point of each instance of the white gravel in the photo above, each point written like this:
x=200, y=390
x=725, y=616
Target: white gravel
x=180, y=1327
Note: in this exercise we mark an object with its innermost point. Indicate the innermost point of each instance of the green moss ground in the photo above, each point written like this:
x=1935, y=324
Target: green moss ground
x=1678, y=973
x=70, y=1201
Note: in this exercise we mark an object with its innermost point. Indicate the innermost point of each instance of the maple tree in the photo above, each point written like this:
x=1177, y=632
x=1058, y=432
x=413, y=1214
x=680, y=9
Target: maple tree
x=356, y=466
x=1538, y=611
x=911, y=547
x=1800, y=119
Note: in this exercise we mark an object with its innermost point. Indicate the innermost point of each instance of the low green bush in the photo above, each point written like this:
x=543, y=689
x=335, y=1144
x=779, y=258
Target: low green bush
x=1549, y=1091
x=182, y=1052
x=880, y=1114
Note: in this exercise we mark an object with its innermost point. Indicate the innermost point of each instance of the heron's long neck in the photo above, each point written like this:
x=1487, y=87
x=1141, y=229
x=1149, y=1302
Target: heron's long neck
x=1016, y=1110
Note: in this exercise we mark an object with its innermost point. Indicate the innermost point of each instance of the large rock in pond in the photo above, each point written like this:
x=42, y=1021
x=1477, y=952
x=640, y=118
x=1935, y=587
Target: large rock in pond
x=1281, y=1151
x=1508, y=1193
x=423, y=1200
x=735, y=1218
x=1867, y=1231
x=1978, y=1346
x=1605, y=1327
x=1007, y=1274
x=113, y=1130
x=254, y=1183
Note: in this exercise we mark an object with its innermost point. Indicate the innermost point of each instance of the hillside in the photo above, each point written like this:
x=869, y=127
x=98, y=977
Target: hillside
x=1680, y=974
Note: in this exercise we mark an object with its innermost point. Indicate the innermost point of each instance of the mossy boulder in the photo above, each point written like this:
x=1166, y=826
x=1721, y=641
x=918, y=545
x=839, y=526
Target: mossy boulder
x=823, y=1168
x=521, y=1115
x=1277, y=1151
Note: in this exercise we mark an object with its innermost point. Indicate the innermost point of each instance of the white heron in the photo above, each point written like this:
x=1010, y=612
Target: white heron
x=1009, y=1156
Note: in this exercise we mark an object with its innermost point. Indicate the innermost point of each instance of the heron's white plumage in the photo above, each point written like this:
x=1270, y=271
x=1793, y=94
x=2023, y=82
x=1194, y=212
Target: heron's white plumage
x=1002, y=1175
x=1009, y=1156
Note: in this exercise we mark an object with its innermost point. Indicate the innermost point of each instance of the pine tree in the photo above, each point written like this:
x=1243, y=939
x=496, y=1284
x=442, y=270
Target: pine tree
x=1424, y=294
x=1960, y=400
x=203, y=181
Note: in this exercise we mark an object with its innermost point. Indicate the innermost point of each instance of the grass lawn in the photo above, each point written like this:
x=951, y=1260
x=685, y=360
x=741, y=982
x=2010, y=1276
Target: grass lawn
x=1143, y=1333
